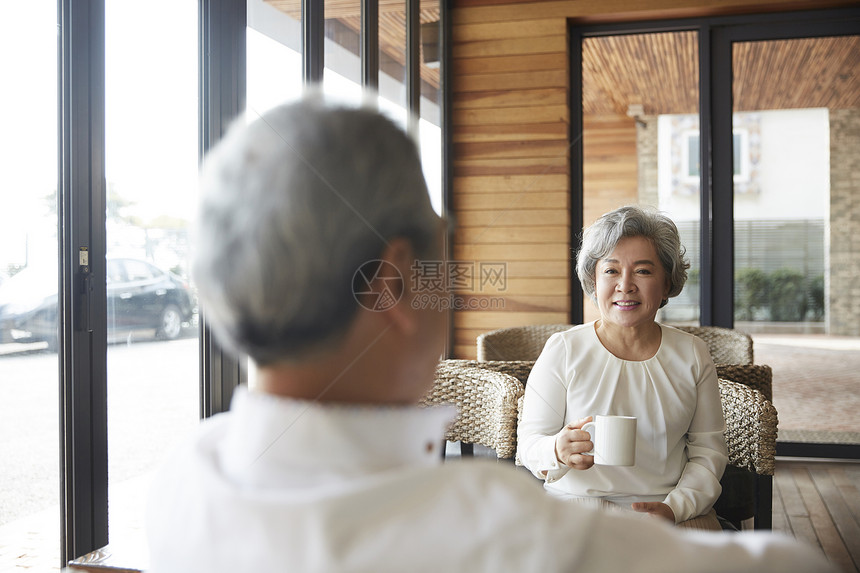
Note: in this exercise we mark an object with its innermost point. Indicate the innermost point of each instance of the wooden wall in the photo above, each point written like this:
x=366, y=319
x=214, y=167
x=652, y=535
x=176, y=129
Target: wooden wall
x=509, y=86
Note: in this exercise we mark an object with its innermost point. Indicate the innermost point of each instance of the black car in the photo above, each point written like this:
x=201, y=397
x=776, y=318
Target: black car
x=140, y=296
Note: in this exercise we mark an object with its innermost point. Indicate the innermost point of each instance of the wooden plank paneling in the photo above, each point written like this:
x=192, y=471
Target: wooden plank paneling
x=522, y=133
x=516, y=200
x=493, y=320
x=513, y=80
x=496, y=234
x=508, y=253
x=473, y=12
x=508, y=30
x=502, y=149
x=511, y=166
x=511, y=183
x=511, y=218
x=465, y=67
x=512, y=115
x=533, y=45
x=512, y=98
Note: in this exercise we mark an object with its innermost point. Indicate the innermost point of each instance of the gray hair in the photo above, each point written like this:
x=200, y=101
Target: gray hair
x=600, y=239
x=292, y=205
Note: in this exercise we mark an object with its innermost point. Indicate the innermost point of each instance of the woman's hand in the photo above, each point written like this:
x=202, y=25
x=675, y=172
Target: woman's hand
x=655, y=509
x=571, y=442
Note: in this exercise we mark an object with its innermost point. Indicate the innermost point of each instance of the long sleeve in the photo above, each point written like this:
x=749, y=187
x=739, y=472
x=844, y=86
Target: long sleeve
x=544, y=413
x=699, y=486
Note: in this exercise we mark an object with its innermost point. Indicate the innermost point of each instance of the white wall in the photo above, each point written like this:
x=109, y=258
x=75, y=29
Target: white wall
x=793, y=175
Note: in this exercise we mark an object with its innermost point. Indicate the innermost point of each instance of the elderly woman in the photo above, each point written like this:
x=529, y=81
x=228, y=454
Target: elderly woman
x=625, y=363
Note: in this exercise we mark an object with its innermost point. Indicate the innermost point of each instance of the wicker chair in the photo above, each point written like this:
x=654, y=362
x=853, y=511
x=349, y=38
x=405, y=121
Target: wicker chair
x=751, y=428
x=751, y=431
x=487, y=403
x=727, y=345
x=516, y=343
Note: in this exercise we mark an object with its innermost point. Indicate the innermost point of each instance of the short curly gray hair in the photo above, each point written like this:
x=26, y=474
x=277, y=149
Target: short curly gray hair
x=600, y=239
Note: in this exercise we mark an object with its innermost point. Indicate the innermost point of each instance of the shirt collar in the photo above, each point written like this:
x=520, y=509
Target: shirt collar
x=271, y=438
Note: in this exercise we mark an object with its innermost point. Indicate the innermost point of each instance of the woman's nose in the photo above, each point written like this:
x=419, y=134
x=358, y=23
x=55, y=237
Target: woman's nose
x=625, y=283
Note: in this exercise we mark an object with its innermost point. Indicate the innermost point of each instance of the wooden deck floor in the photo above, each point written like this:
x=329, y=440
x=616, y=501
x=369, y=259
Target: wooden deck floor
x=819, y=502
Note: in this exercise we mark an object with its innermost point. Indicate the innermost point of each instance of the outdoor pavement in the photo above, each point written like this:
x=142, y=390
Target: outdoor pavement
x=816, y=385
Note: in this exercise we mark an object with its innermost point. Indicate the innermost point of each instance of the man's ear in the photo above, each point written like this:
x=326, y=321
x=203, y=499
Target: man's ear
x=399, y=254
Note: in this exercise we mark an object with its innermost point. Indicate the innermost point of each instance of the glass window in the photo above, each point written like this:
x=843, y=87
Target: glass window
x=342, y=73
x=795, y=223
x=151, y=131
x=274, y=55
x=29, y=409
x=430, y=126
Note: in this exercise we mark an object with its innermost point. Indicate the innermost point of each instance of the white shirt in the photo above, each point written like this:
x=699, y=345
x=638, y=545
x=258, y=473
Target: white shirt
x=284, y=485
x=680, y=446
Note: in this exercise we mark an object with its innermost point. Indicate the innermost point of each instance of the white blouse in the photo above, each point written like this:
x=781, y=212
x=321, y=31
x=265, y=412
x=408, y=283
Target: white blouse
x=680, y=446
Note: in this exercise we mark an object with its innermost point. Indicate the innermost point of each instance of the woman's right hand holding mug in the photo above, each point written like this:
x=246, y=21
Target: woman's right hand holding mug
x=572, y=442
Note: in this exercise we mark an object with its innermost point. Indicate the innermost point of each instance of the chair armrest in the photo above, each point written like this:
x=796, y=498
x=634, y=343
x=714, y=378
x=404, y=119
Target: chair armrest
x=751, y=427
x=519, y=369
x=758, y=376
x=486, y=401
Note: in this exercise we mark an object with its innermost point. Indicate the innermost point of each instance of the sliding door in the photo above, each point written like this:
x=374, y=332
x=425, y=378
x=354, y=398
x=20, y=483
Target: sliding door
x=791, y=119
x=744, y=130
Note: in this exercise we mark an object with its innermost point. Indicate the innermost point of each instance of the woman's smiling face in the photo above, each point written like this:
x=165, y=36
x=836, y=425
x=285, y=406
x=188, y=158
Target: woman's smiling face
x=630, y=283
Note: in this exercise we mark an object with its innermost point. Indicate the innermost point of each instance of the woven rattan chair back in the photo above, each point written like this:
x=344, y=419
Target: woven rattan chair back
x=727, y=346
x=486, y=402
x=516, y=343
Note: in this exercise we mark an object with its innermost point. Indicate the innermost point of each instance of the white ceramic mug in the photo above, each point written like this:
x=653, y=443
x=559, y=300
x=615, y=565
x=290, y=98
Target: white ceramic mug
x=614, y=440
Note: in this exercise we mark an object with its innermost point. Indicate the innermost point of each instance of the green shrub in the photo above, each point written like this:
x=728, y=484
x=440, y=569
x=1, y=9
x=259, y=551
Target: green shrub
x=816, y=297
x=751, y=292
x=787, y=295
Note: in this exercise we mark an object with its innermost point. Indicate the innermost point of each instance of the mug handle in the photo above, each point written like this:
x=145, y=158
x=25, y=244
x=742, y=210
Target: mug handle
x=585, y=428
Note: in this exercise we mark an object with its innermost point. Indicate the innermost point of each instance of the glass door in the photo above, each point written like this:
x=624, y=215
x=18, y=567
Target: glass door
x=151, y=127
x=29, y=409
x=795, y=155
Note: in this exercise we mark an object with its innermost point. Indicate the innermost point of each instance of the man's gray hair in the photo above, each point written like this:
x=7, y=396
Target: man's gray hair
x=600, y=239
x=292, y=205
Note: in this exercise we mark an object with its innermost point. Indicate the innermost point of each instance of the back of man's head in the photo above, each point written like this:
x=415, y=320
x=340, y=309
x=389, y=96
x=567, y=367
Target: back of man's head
x=292, y=205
